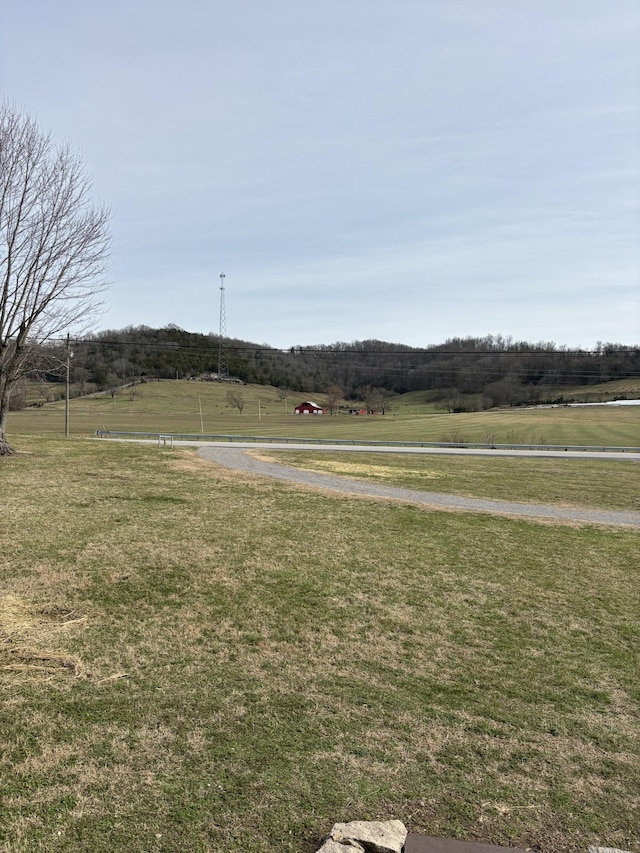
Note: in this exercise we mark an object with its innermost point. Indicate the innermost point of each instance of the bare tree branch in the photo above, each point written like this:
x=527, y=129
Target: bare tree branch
x=54, y=244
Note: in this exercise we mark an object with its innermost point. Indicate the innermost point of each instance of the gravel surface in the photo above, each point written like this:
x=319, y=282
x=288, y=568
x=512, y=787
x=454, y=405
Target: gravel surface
x=242, y=460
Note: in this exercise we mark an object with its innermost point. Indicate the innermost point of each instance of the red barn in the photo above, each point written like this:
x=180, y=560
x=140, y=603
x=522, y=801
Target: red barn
x=308, y=408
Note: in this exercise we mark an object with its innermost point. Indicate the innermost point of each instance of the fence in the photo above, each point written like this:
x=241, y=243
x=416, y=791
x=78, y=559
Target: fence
x=162, y=437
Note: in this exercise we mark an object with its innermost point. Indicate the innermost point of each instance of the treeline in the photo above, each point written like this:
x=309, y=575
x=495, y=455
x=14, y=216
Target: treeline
x=497, y=370
x=494, y=369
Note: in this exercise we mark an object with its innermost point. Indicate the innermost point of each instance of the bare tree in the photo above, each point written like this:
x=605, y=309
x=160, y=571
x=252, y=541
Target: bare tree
x=235, y=399
x=334, y=395
x=53, y=247
x=377, y=399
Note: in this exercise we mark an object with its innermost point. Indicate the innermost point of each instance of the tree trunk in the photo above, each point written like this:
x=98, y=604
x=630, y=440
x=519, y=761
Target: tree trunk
x=5, y=448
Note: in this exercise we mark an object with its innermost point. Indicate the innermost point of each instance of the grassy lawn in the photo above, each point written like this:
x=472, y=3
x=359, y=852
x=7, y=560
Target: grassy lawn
x=193, y=660
x=576, y=482
x=194, y=407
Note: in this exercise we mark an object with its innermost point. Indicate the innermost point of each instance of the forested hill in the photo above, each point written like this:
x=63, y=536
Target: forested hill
x=501, y=369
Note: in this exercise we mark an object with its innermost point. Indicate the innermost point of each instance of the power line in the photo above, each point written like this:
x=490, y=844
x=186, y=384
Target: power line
x=299, y=351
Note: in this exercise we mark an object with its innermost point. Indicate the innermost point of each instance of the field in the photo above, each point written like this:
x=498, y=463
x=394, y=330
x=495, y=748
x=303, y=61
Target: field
x=423, y=402
x=200, y=407
x=194, y=660
x=599, y=484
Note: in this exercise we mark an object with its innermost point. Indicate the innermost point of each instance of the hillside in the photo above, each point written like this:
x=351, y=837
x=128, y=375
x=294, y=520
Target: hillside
x=457, y=375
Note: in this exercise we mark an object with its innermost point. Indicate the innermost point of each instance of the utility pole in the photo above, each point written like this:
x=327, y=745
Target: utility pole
x=66, y=393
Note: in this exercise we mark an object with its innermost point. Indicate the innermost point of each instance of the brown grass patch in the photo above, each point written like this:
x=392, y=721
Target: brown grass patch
x=27, y=633
x=189, y=462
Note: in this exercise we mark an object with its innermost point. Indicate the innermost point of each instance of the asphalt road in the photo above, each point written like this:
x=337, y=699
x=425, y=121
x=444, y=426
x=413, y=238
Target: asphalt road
x=237, y=457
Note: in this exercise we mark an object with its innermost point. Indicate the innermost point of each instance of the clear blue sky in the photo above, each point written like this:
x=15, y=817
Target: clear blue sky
x=408, y=170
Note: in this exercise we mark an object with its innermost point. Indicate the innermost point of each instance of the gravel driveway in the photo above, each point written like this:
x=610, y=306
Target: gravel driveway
x=241, y=460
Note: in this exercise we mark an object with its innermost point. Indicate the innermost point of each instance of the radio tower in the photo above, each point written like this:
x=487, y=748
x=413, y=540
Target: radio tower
x=223, y=367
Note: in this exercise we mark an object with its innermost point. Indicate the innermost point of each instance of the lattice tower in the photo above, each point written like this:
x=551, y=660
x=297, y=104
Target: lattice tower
x=223, y=365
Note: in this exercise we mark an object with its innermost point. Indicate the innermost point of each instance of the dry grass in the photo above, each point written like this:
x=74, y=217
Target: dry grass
x=174, y=407
x=259, y=661
x=605, y=484
x=29, y=634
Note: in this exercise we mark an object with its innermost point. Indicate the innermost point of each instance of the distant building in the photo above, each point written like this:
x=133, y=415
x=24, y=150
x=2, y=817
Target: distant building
x=308, y=408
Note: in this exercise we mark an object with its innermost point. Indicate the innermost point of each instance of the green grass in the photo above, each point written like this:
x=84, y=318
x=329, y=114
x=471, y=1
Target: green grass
x=177, y=406
x=433, y=401
x=576, y=482
x=198, y=661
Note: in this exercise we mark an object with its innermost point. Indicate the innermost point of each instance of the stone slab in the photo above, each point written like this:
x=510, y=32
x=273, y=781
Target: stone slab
x=425, y=844
x=372, y=836
x=606, y=850
x=331, y=846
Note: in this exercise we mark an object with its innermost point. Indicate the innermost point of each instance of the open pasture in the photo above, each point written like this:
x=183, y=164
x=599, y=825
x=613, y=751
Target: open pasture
x=598, y=484
x=427, y=402
x=193, y=660
x=195, y=407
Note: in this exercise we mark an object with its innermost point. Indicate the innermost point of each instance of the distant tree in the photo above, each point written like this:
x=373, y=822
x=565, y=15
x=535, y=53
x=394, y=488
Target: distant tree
x=334, y=395
x=113, y=383
x=80, y=376
x=235, y=399
x=387, y=400
x=455, y=403
x=53, y=246
x=283, y=395
x=18, y=395
x=375, y=399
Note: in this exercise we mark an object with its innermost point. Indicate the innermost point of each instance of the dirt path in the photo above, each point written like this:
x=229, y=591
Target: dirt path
x=242, y=460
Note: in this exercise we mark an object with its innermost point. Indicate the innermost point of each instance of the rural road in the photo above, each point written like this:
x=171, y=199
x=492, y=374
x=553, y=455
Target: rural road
x=238, y=458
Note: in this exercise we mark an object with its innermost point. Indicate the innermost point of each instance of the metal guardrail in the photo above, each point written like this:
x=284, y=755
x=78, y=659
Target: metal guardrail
x=261, y=439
